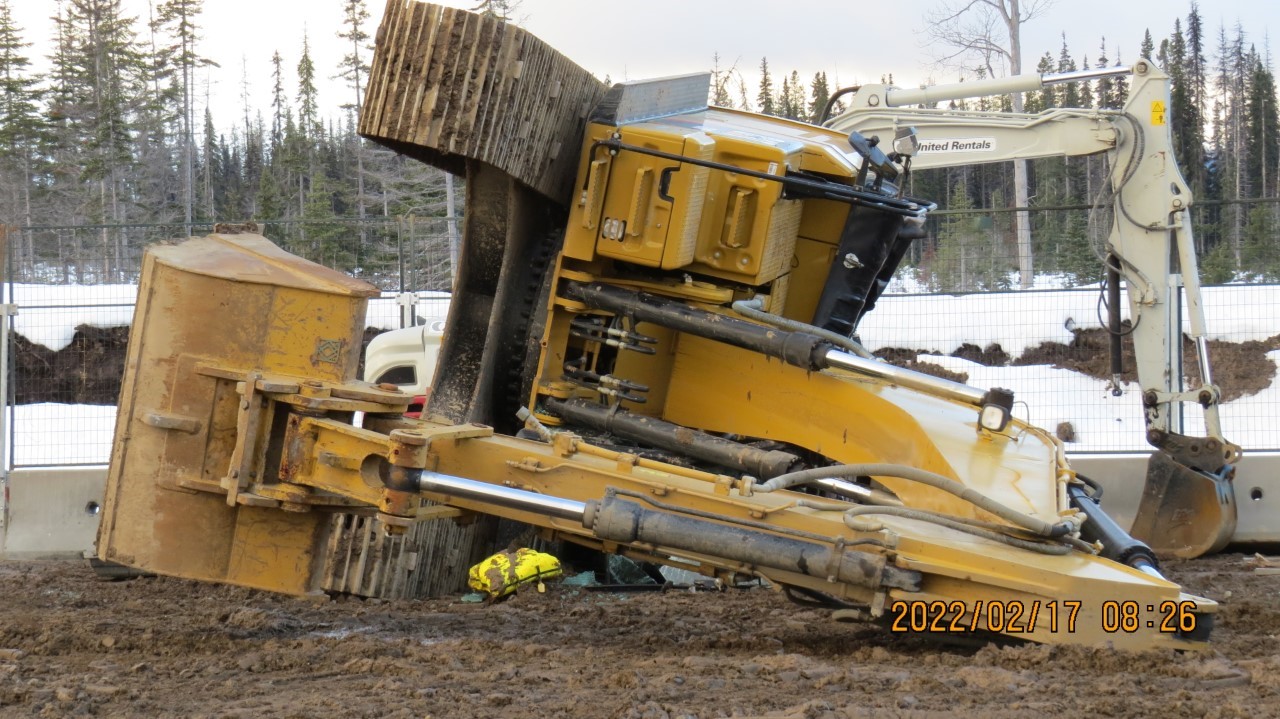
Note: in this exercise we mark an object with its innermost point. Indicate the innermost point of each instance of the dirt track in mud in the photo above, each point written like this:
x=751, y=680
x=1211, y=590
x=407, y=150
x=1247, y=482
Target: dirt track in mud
x=74, y=646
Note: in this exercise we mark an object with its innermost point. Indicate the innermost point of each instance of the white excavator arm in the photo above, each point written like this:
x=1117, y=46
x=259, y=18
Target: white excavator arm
x=1149, y=196
x=1149, y=241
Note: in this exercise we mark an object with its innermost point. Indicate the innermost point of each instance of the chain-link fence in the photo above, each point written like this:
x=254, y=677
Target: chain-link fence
x=959, y=297
x=73, y=291
x=955, y=299
x=1049, y=346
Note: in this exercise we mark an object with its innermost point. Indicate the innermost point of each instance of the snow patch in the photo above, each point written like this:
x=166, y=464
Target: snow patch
x=49, y=314
x=1022, y=319
x=54, y=434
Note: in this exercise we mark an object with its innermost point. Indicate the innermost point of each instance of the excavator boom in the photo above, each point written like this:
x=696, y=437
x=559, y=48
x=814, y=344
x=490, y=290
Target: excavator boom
x=1188, y=506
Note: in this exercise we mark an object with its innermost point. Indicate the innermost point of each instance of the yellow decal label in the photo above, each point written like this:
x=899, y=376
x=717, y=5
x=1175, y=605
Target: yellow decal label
x=1157, y=112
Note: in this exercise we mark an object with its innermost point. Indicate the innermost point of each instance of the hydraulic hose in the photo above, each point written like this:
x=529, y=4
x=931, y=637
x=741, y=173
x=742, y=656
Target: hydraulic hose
x=1034, y=524
x=752, y=308
x=976, y=527
x=852, y=522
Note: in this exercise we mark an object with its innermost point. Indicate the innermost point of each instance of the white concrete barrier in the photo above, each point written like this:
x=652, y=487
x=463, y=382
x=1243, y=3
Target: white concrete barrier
x=52, y=512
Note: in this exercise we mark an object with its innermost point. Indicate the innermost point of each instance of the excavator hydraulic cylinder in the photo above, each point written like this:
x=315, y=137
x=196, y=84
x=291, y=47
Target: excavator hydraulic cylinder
x=620, y=520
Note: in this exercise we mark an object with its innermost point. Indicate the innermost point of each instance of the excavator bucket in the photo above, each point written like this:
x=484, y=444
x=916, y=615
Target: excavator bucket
x=1184, y=512
x=208, y=310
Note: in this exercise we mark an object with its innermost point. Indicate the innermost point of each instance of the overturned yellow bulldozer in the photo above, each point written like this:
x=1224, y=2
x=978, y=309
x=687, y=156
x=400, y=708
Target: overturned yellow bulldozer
x=653, y=357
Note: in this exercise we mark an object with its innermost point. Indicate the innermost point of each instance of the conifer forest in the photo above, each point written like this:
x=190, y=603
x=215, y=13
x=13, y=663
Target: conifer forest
x=116, y=133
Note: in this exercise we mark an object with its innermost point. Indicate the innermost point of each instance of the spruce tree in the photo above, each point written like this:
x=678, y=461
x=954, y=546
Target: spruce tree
x=100, y=79
x=22, y=128
x=353, y=69
x=231, y=200
x=795, y=98
x=1232, y=150
x=1148, y=46
x=271, y=201
x=279, y=101
x=764, y=99
x=1043, y=99
x=1105, y=96
x=157, y=132
x=308, y=105
x=178, y=20
x=1261, y=121
x=211, y=171
x=502, y=9
x=819, y=96
x=785, y=108
x=1186, y=119
x=1120, y=84
x=1191, y=127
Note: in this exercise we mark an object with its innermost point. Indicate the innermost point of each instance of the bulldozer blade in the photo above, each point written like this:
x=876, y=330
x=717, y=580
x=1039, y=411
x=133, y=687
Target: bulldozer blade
x=224, y=303
x=1184, y=513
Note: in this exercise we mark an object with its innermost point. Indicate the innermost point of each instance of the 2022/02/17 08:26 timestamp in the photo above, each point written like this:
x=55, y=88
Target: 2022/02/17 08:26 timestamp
x=1028, y=616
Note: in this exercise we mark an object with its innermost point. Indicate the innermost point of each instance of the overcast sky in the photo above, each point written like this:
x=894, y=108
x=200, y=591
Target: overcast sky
x=635, y=39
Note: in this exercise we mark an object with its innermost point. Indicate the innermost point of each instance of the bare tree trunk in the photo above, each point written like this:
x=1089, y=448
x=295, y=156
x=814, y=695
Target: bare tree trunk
x=980, y=38
x=1022, y=225
x=1021, y=218
x=27, y=249
x=187, y=121
x=1235, y=104
x=355, y=49
x=116, y=217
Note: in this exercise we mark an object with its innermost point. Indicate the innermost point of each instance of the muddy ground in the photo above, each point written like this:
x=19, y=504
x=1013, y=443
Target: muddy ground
x=74, y=646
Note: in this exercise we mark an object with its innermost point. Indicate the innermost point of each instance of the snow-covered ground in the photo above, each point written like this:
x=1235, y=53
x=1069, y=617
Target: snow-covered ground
x=1103, y=423
x=54, y=434
x=58, y=434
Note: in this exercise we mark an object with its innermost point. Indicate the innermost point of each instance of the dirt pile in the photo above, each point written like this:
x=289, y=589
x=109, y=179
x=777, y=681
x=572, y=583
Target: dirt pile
x=1239, y=368
x=87, y=371
x=70, y=645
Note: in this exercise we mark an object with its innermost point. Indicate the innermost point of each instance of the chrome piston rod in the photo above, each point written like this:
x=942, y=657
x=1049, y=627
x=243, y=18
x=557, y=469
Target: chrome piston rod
x=800, y=349
x=497, y=495
x=905, y=377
